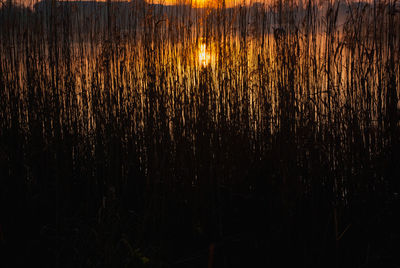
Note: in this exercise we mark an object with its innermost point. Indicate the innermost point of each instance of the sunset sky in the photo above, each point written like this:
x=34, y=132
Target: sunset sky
x=197, y=3
x=201, y=3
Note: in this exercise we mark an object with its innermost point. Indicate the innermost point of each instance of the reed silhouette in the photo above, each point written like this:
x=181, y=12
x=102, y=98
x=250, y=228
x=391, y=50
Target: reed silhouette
x=135, y=134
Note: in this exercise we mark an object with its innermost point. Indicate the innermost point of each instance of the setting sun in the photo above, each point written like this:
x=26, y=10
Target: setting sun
x=204, y=3
x=201, y=3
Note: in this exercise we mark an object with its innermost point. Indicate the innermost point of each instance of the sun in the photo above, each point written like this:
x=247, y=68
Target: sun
x=197, y=3
x=204, y=3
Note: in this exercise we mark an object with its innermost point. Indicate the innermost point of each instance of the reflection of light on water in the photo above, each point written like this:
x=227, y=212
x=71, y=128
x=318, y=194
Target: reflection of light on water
x=204, y=56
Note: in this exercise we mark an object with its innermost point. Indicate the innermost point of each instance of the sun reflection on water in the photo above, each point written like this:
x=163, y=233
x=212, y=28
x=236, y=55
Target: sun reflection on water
x=204, y=55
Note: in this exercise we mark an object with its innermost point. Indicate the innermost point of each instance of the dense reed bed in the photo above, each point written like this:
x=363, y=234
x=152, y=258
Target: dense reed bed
x=147, y=135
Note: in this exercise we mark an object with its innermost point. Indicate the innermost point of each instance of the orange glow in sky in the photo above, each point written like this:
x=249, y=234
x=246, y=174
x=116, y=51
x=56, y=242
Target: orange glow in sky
x=204, y=3
x=194, y=3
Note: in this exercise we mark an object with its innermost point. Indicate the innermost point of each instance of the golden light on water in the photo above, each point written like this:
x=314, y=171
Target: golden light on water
x=204, y=55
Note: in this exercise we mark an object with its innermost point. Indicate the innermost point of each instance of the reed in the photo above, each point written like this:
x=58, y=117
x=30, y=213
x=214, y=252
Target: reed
x=134, y=134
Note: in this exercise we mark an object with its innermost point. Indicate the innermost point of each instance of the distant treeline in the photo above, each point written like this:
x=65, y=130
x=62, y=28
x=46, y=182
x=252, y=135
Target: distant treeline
x=93, y=16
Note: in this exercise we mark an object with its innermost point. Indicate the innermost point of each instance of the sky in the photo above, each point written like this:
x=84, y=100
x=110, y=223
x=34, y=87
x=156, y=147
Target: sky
x=202, y=3
x=196, y=3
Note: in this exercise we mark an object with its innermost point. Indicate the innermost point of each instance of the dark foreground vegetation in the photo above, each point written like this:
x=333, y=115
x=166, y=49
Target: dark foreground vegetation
x=279, y=147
